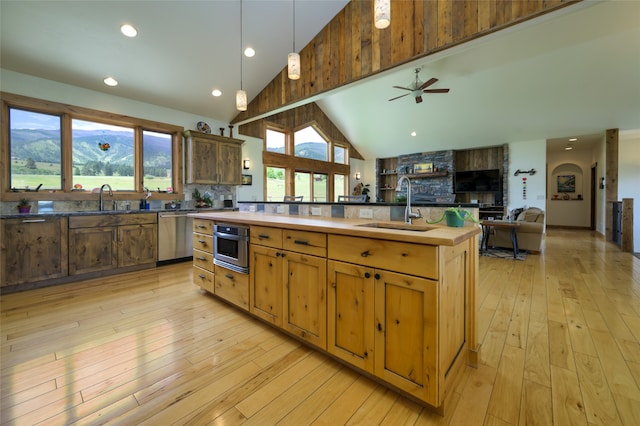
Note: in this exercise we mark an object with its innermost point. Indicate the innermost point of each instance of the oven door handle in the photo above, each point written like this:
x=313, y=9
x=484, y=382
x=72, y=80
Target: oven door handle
x=230, y=236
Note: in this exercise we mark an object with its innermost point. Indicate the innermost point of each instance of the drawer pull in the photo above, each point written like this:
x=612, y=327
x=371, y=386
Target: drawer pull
x=202, y=277
x=201, y=241
x=263, y=237
x=202, y=226
x=32, y=220
x=301, y=242
x=202, y=259
x=376, y=276
x=229, y=276
x=365, y=253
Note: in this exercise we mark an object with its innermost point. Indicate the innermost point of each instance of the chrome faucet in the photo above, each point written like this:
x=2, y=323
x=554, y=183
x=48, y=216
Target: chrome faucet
x=102, y=195
x=408, y=211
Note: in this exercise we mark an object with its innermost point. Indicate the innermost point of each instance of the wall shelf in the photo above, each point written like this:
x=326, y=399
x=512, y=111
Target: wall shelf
x=441, y=173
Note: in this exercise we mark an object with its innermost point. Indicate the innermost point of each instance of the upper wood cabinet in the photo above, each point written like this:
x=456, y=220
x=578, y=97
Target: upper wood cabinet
x=213, y=159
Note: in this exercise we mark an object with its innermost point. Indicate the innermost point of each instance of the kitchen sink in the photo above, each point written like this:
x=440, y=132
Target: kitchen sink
x=398, y=226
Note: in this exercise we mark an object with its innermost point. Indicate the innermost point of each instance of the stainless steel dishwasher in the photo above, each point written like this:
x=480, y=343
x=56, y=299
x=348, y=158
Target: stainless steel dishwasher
x=175, y=235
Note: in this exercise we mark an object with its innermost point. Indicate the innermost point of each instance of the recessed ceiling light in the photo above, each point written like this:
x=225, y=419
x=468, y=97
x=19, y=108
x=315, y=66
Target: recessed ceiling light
x=413, y=133
x=128, y=30
x=216, y=92
x=573, y=139
x=110, y=81
x=568, y=148
x=249, y=52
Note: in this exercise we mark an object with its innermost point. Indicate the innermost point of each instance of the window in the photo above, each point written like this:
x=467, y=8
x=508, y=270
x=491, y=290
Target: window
x=101, y=154
x=339, y=186
x=302, y=163
x=308, y=143
x=35, y=150
x=67, y=149
x=275, y=141
x=157, y=155
x=275, y=184
x=340, y=155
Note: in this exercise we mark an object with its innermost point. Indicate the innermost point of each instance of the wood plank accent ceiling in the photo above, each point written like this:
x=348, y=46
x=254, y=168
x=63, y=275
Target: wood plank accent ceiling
x=350, y=48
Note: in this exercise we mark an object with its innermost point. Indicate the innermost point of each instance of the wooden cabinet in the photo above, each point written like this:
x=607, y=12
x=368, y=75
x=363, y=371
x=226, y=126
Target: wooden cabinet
x=213, y=159
x=288, y=281
x=232, y=286
x=33, y=249
x=105, y=242
x=203, y=270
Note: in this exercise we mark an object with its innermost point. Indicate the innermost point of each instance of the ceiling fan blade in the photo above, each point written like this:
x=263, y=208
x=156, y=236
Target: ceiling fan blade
x=418, y=99
x=398, y=97
x=403, y=88
x=427, y=83
x=436, y=91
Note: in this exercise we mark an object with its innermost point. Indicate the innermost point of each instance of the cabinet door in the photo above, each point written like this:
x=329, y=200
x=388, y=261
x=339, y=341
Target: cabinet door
x=305, y=301
x=229, y=160
x=202, y=161
x=92, y=250
x=266, y=278
x=406, y=333
x=350, y=310
x=33, y=250
x=137, y=244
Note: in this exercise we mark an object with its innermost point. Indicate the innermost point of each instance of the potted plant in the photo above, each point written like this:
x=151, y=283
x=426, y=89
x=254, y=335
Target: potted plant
x=455, y=217
x=24, y=206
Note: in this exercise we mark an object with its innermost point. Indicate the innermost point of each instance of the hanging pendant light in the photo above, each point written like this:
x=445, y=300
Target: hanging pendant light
x=382, y=13
x=293, y=59
x=241, y=95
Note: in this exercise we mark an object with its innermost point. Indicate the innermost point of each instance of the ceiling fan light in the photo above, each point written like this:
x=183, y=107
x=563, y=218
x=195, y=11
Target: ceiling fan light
x=293, y=65
x=382, y=13
x=241, y=100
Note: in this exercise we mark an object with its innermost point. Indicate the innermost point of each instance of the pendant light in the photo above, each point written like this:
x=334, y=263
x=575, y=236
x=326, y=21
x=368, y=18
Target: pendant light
x=293, y=59
x=382, y=13
x=241, y=95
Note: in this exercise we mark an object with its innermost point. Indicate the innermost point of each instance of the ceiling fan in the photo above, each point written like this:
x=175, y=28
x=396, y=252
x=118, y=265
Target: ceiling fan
x=418, y=88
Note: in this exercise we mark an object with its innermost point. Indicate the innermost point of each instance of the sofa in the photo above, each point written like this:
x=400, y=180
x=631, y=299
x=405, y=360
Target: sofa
x=529, y=232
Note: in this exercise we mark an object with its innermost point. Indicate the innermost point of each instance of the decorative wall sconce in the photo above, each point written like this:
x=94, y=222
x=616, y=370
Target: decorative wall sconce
x=246, y=164
x=525, y=172
x=602, y=183
x=357, y=175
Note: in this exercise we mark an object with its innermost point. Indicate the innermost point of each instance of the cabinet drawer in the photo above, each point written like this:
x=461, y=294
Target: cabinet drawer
x=203, y=260
x=203, y=242
x=203, y=278
x=313, y=243
x=413, y=259
x=203, y=226
x=265, y=236
x=232, y=286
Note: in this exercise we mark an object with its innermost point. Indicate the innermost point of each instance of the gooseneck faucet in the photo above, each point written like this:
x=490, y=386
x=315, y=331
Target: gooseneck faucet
x=102, y=195
x=408, y=211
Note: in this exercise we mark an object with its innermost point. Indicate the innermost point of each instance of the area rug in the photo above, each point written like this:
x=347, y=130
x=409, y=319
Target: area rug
x=504, y=253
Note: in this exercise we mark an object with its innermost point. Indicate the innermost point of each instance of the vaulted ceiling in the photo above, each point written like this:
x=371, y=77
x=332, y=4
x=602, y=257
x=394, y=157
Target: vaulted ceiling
x=574, y=72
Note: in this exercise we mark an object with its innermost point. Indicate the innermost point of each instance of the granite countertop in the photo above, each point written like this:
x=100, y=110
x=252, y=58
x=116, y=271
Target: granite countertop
x=107, y=212
x=433, y=235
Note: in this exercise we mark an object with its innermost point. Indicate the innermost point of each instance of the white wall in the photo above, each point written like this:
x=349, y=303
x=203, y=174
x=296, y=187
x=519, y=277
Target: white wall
x=574, y=213
x=629, y=176
x=26, y=85
x=252, y=150
x=527, y=155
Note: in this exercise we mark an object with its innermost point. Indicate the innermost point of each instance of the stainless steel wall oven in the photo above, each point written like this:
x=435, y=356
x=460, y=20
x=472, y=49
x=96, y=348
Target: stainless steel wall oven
x=231, y=247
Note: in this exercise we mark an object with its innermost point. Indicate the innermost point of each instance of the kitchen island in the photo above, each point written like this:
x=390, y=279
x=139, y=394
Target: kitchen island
x=395, y=302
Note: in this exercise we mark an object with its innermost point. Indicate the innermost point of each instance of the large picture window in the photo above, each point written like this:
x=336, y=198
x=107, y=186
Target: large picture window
x=35, y=150
x=66, y=151
x=304, y=162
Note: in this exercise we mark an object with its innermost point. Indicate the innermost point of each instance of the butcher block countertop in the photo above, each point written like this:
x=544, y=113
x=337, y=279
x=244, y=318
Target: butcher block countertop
x=438, y=234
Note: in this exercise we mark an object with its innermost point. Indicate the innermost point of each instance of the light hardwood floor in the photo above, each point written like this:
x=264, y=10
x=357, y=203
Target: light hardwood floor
x=560, y=336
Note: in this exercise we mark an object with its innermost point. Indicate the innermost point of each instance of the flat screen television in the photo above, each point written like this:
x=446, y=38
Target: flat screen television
x=478, y=181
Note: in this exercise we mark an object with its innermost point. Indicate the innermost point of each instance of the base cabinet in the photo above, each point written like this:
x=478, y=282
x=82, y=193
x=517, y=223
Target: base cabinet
x=232, y=286
x=106, y=242
x=203, y=270
x=33, y=249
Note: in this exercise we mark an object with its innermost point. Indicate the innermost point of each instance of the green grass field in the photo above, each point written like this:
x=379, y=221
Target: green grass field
x=120, y=183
